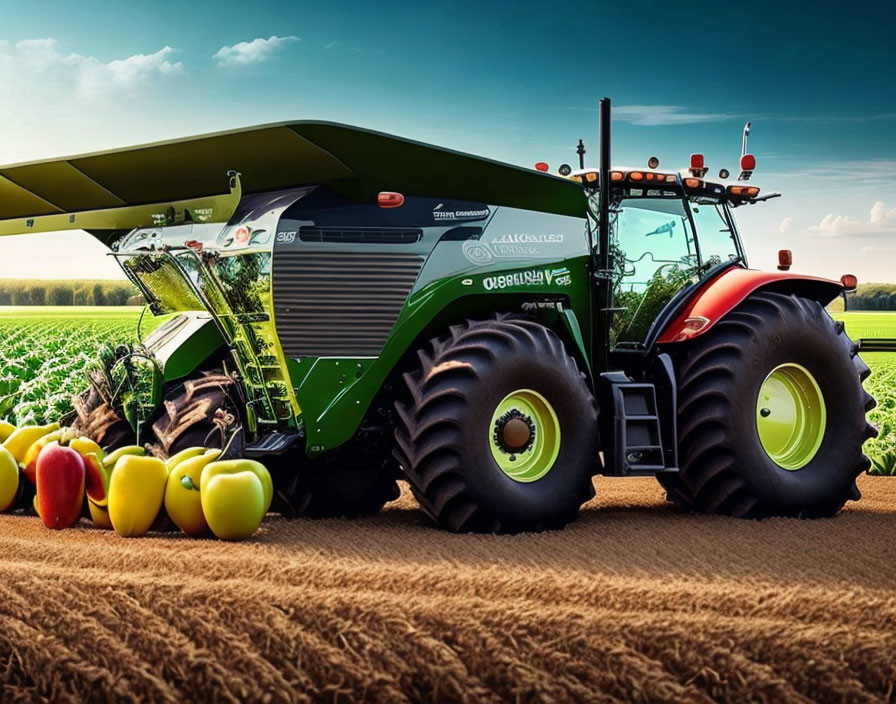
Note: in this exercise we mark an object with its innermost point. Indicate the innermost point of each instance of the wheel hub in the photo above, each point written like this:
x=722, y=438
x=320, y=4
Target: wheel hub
x=514, y=432
x=791, y=417
x=524, y=436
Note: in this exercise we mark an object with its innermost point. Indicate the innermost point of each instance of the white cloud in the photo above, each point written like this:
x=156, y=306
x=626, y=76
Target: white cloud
x=836, y=119
x=845, y=174
x=656, y=115
x=40, y=61
x=880, y=223
x=785, y=225
x=254, y=52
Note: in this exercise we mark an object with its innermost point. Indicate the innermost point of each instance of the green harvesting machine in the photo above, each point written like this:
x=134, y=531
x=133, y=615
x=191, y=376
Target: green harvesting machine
x=355, y=308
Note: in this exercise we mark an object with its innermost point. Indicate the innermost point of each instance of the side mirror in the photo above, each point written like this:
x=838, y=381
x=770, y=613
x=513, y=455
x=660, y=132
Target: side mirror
x=785, y=259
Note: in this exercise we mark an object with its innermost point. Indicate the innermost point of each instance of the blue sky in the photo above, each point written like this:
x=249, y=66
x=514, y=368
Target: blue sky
x=517, y=81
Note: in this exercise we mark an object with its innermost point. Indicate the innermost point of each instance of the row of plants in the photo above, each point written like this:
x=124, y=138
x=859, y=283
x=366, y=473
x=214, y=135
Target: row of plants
x=43, y=361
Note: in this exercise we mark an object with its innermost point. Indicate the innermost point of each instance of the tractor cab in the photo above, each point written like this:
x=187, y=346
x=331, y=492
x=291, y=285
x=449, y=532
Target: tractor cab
x=669, y=232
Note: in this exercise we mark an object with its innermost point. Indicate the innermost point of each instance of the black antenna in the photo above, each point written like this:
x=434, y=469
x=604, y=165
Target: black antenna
x=580, y=150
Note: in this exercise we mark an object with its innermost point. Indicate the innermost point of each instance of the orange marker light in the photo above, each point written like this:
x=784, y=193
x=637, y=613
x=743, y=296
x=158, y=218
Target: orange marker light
x=636, y=176
x=388, y=199
x=849, y=282
x=616, y=175
x=591, y=177
x=692, y=182
x=736, y=190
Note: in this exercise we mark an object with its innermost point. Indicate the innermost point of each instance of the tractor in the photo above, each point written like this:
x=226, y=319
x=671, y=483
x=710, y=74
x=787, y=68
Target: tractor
x=354, y=309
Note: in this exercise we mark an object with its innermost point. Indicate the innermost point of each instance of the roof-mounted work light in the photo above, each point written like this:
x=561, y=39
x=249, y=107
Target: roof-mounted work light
x=697, y=167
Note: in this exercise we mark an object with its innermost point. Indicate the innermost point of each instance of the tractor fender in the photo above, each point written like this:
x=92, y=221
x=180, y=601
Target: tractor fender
x=723, y=293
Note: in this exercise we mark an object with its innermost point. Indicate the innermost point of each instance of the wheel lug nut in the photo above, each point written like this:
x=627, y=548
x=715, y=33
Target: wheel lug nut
x=765, y=412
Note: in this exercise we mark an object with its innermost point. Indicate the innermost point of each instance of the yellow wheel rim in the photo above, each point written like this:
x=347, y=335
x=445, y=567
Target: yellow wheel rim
x=791, y=417
x=524, y=435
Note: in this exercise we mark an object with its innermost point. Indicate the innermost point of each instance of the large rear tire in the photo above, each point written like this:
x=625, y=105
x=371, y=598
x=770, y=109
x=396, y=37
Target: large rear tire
x=500, y=434
x=771, y=413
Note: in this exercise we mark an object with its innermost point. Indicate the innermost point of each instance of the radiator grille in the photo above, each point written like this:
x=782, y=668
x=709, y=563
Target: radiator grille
x=360, y=235
x=335, y=304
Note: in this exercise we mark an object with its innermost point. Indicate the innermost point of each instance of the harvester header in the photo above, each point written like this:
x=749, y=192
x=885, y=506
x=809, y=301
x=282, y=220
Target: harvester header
x=111, y=191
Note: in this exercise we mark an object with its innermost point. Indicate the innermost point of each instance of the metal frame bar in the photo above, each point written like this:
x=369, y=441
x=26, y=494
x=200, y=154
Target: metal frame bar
x=216, y=208
x=604, y=284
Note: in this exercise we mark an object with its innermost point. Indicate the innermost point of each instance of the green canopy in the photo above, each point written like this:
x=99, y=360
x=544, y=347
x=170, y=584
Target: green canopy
x=357, y=162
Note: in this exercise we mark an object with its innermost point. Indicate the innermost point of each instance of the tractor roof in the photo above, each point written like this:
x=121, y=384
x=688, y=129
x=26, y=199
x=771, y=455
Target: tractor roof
x=359, y=163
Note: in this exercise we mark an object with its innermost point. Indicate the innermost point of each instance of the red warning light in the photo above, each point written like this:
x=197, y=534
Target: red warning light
x=785, y=259
x=849, y=282
x=388, y=199
x=696, y=161
x=748, y=162
x=541, y=166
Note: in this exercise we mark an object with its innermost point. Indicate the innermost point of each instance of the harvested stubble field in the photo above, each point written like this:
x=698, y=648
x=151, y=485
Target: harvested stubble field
x=635, y=602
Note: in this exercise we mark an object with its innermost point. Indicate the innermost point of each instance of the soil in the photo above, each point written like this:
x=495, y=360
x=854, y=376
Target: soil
x=634, y=602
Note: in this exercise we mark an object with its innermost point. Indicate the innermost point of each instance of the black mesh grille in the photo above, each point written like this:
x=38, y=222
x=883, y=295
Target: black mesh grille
x=359, y=235
x=330, y=304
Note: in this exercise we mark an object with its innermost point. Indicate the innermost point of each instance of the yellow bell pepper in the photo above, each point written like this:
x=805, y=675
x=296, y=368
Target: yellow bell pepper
x=136, y=492
x=23, y=438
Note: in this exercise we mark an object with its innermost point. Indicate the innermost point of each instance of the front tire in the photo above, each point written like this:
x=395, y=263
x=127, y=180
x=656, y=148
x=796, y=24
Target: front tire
x=97, y=418
x=202, y=411
x=500, y=435
x=771, y=413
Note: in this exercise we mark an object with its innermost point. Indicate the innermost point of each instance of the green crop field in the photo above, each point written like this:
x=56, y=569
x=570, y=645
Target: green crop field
x=881, y=384
x=45, y=350
x=868, y=323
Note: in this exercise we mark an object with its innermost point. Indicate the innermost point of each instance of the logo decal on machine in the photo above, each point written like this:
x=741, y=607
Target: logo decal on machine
x=440, y=213
x=509, y=246
x=528, y=239
x=560, y=277
x=530, y=277
x=477, y=252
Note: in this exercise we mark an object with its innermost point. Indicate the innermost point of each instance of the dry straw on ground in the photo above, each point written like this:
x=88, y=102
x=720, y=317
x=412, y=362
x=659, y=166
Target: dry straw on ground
x=635, y=602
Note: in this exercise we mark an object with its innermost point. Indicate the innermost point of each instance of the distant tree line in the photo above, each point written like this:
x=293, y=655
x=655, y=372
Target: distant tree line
x=873, y=297
x=49, y=292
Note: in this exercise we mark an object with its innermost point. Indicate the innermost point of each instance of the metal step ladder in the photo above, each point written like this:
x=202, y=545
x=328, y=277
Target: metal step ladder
x=639, y=445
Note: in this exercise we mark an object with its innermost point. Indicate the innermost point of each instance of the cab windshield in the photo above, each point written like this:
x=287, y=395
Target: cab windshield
x=716, y=238
x=658, y=246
